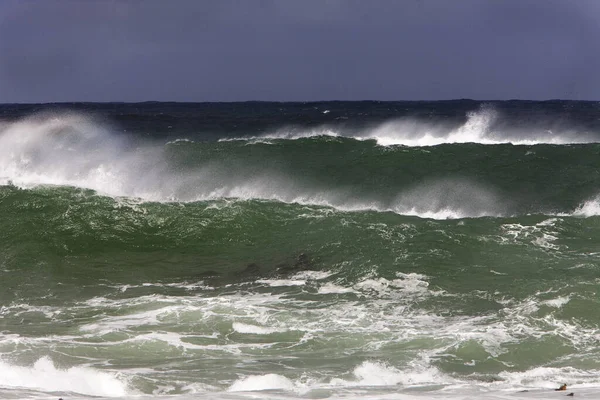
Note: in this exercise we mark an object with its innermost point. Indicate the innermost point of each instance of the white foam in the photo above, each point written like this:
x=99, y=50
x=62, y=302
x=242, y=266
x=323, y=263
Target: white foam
x=180, y=141
x=286, y=134
x=255, y=329
x=411, y=283
x=373, y=373
x=73, y=150
x=542, y=234
x=262, y=382
x=549, y=377
x=20, y=308
x=410, y=132
x=43, y=375
x=386, y=315
x=413, y=133
x=179, y=285
x=449, y=199
x=120, y=323
x=312, y=275
x=282, y=282
x=477, y=129
x=330, y=288
x=589, y=208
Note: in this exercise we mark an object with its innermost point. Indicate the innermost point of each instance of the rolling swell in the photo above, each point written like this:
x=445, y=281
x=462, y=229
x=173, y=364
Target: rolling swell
x=81, y=236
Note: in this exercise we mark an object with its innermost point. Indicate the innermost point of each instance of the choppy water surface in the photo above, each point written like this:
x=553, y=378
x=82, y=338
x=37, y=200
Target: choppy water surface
x=290, y=250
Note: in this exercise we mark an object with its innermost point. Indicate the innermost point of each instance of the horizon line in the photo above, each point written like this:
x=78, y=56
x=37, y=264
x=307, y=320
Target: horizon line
x=291, y=101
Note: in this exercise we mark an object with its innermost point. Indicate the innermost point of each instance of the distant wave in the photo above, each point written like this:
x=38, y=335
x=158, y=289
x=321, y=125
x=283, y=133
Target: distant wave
x=482, y=126
x=289, y=134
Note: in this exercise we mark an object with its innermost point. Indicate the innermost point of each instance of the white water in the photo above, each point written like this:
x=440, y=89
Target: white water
x=589, y=208
x=44, y=376
x=373, y=315
x=479, y=128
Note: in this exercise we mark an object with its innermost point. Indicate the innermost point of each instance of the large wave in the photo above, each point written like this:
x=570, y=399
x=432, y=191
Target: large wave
x=77, y=150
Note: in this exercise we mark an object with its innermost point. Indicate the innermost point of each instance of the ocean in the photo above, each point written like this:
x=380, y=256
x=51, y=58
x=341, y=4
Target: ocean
x=327, y=250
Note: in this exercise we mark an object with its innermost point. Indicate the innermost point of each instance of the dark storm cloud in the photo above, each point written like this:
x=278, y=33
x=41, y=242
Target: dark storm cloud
x=66, y=50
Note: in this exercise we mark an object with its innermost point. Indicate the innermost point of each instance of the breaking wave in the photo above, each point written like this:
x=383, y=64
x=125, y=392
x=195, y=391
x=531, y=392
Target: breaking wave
x=74, y=150
x=79, y=151
x=43, y=375
x=483, y=126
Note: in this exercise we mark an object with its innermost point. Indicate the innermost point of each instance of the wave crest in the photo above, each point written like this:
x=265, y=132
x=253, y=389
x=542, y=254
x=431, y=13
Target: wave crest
x=483, y=126
x=450, y=199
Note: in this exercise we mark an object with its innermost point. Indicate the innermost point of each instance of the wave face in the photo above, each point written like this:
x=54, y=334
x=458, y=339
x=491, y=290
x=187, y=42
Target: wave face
x=293, y=250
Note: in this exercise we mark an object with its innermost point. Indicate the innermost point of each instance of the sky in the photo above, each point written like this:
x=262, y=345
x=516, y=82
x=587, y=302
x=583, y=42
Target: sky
x=298, y=50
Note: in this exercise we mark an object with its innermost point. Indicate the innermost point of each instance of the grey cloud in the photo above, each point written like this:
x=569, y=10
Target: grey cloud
x=65, y=50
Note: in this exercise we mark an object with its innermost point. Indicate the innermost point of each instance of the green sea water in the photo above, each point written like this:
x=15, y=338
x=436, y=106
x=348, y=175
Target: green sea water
x=403, y=260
